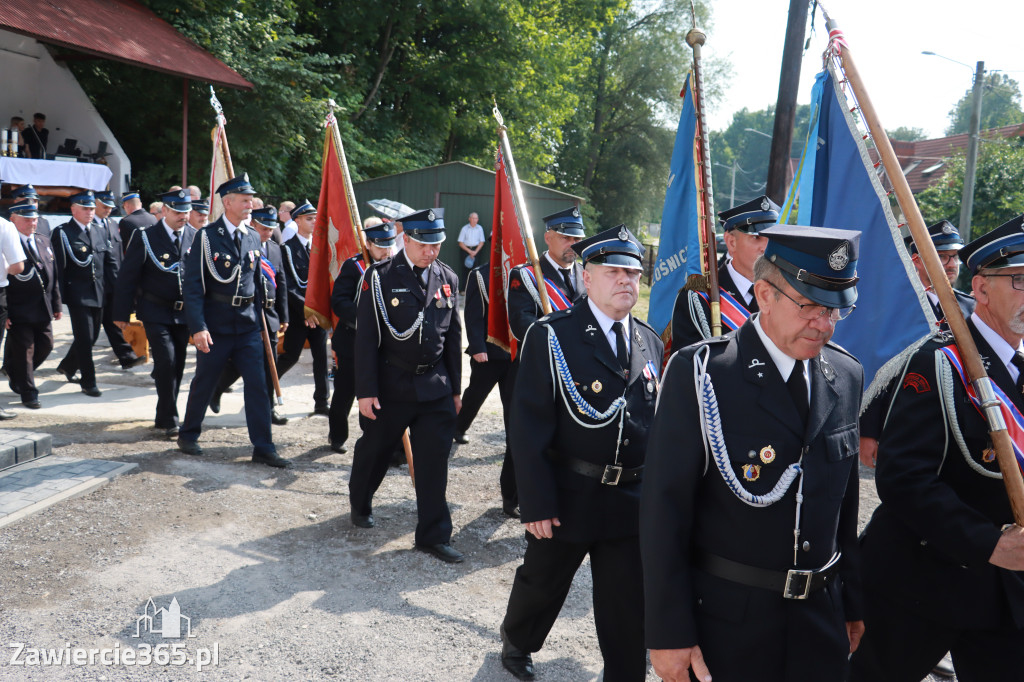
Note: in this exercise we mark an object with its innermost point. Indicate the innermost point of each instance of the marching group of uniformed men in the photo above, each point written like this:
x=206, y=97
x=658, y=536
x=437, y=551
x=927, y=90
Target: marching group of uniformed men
x=717, y=499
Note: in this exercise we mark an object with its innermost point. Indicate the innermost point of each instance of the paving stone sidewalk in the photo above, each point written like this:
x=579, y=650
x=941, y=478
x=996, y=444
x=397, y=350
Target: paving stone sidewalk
x=39, y=483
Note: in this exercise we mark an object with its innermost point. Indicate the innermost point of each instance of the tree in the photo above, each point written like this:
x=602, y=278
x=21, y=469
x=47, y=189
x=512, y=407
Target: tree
x=1000, y=105
x=998, y=189
x=907, y=134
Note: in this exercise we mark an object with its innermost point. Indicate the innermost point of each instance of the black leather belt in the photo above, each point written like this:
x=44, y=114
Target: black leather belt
x=410, y=367
x=792, y=584
x=611, y=474
x=165, y=302
x=236, y=301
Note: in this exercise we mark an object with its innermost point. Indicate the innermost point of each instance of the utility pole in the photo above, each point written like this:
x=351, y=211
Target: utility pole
x=785, y=108
x=967, y=203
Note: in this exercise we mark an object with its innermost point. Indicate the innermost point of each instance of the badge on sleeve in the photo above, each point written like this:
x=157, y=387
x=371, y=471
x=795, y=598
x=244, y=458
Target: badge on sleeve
x=366, y=285
x=917, y=382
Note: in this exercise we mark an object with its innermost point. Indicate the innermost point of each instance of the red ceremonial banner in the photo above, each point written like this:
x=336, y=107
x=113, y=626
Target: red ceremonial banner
x=334, y=236
x=507, y=251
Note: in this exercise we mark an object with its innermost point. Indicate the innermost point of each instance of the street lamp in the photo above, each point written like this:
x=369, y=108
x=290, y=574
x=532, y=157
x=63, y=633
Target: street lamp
x=751, y=130
x=967, y=202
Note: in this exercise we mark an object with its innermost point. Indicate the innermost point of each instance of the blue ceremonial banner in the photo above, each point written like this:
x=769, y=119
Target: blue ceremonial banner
x=839, y=188
x=679, y=249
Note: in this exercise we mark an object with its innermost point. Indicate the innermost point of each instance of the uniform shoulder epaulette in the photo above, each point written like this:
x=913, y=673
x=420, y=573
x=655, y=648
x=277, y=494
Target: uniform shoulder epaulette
x=644, y=324
x=836, y=347
x=445, y=266
x=555, y=316
x=938, y=340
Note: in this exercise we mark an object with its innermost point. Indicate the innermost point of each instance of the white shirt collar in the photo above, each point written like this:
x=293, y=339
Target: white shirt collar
x=556, y=266
x=170, y=232
x=605, y=323
x=231, y=226
x=783, y=362
x=302, y=240
x=81, y=227
x=1003, y=350
x=742, y=283
x=423, y=277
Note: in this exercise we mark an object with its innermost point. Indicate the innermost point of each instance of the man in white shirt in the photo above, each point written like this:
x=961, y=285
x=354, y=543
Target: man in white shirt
x=471, y=240
x=12, y=258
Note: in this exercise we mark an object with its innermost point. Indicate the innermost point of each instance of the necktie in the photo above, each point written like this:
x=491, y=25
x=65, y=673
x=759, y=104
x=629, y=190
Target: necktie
x=620, y=345
x=750, y=294
x=567, y=279
x=797, y=385
x=306, y=245
x=238, y=241
x=29, y=250
x=419, y=275
x=1018, y=362
x=177, y=241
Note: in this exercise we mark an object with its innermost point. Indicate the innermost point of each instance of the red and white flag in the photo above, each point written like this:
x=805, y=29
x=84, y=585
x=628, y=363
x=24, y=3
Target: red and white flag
x=337, y=224
x=221, y=169
x=507, y=251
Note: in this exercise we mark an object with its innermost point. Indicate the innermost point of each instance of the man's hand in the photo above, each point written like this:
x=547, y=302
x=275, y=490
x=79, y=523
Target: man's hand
x=120, y=324
x=311, y=322
x=457, y=399
x=367, y=406
x=480, y=357
x=854, y=630
x=542, y=529
x=203, y=341
x=868, y=451
x=1009, y=551
x=282, y=328
x=57, y=315
x=673, y=665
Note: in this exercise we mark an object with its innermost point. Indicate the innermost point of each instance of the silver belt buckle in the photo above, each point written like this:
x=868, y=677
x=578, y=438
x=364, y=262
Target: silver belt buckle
x=237, y=301
x=179, y=305
x=612, y=474
x=789, y=592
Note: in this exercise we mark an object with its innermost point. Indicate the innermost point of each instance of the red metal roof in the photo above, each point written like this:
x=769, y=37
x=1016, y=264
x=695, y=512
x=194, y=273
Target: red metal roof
x=122, y=30
x=924, y=161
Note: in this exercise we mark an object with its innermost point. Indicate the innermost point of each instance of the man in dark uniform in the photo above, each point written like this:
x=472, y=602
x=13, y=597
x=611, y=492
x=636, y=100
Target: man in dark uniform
x=691, y=314
x=380, y=242
x=200, y=215
x=34, y=301
x=943, y=561
x=562, y=274
x=83, y=255
x=748, y=518
x=221, y=302
x=149, y=283
x=948, y=244
x=36, y=137
x=489, y=365
x=135, y=216
x=409, y=375
x=306, y=327
x=28, y=193
x=273, y=284
x=585, y=397
x=126, y=357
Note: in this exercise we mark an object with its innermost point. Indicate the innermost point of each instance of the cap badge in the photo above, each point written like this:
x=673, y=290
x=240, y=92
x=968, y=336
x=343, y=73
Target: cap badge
x=181, y=194
x=575, y=212
x=767, y=454
x=764, y=204
x=430, y=216
x=947, y=229
x=623, y=235
x=751, y=472
x=840, y=258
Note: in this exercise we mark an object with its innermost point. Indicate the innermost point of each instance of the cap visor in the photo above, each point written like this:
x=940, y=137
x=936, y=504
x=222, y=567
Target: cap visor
x=429, y=238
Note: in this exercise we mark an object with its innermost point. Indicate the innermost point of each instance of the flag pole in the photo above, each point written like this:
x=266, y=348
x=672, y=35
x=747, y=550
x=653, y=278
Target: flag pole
x=525, y=229
x=695, y=38
x=268, y=348
x=930, y=257
x=350, y=195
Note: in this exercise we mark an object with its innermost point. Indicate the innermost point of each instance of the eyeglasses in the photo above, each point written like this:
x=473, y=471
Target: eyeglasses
x=946, y=258
x=1016, y=281
x=813, y=311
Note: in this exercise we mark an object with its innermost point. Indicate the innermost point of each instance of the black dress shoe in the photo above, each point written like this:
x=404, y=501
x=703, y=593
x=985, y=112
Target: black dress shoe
x=277, y=418
x=189, y=447
x=70, y=376
x=32, y=404
x=92, y=391
x=511, y=508
x=132, y=361
x=516, y=661
x=339, y=448
x=442, y=551
x=271, y=459
x=363, y=521
x=460, y=438
x=324, y=410
x=172, y=432
x=215, y=402
x=7, y=414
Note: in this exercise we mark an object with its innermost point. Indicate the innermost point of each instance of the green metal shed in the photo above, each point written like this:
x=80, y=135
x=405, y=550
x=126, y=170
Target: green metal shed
x=460, y=189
